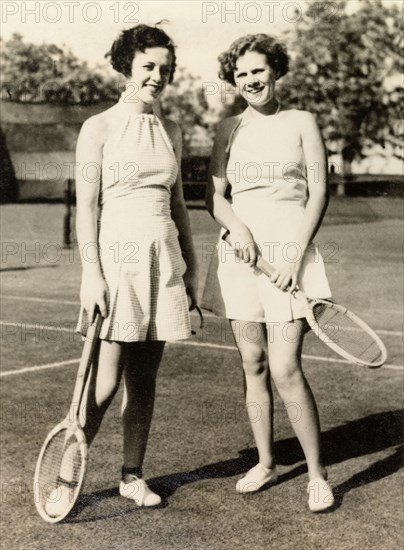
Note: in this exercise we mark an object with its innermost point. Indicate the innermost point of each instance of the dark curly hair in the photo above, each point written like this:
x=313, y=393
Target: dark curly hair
x=275, y=52
x=138, y=39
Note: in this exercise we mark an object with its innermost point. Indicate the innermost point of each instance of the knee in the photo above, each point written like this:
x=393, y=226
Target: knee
x=105, y=391
x=255, y=363
x=286, y=374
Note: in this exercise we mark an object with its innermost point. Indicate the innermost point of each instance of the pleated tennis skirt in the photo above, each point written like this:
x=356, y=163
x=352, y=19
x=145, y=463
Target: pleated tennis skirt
x=236, y=291
x=143, y=267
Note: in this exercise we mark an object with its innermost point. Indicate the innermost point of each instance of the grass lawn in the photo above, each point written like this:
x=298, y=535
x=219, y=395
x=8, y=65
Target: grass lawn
x=201, y=442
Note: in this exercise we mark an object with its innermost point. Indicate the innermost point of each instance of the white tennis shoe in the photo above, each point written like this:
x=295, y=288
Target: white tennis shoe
x=256, y=478
x=320, y=495
x=138, y=491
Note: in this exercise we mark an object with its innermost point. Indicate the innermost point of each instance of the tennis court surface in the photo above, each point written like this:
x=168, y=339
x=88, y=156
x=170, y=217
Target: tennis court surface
x=200, y=442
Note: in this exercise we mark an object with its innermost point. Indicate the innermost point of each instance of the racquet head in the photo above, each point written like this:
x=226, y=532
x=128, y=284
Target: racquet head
x=346, y=333
x=59, y=473
x=339, y=328
x=61, y=465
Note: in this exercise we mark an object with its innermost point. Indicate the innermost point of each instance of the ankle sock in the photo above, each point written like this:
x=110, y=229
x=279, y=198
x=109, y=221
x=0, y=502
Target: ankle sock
x=138, y=472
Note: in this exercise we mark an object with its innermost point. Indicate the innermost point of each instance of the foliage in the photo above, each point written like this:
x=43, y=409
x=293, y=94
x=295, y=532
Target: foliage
x=184, y=102
x=47, y=73
x=345, y=68
x=339, y=70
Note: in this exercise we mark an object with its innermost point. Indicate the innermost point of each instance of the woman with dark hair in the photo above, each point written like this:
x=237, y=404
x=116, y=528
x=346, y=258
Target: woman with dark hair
x=138, y=262
x=275, y=161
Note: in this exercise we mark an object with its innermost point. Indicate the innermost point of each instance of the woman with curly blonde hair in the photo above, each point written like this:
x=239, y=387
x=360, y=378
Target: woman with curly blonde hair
x=275, y=162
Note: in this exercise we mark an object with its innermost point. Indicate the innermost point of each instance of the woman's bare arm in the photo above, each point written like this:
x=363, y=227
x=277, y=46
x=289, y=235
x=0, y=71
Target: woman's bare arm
x=287, y=272
x=218, y=206
x=180, y=216
x=88, y=179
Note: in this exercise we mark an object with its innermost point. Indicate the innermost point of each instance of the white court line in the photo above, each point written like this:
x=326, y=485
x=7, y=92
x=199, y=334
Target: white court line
x=39, y=367
x=43, y=300
x=304, y=356
x=205, y=314
x=37, y=326
x=389, y=332
x=73, y=324
x=194, y=344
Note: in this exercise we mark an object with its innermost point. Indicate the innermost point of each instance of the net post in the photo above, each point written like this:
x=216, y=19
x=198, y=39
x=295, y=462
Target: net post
x=67, y=218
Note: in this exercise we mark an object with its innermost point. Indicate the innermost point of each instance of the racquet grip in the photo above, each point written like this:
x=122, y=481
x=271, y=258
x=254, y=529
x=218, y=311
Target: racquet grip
x=264, y=266
x=268, y=270
x=94, y=328
x=261, y=264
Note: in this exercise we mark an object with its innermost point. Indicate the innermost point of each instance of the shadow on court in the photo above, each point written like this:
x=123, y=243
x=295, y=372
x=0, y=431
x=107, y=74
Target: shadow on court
x=368, y=435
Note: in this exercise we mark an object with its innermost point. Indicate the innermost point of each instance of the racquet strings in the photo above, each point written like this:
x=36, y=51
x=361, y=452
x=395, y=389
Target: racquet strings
x=343, y=331
x=61, y=465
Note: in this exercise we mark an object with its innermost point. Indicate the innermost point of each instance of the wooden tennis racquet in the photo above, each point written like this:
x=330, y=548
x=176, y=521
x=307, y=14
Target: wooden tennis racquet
x=339, y=328
x=61, y=464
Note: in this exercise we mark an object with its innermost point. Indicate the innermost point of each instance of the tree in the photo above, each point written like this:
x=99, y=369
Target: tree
x=340, y=65
x=184, y=102
x=47, y=73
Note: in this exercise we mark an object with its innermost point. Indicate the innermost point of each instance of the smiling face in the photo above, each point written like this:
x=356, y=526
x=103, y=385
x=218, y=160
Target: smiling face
x=255, y=80
x=151, y=71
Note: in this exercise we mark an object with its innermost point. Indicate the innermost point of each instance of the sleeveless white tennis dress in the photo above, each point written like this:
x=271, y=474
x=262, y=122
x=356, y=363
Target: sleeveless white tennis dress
x=139, y=251
x=267, y=172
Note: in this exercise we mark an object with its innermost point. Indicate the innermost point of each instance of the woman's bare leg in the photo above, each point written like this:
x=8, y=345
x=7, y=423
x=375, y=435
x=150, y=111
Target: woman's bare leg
x=251, y=340
x=104, y=382
x=284, y=350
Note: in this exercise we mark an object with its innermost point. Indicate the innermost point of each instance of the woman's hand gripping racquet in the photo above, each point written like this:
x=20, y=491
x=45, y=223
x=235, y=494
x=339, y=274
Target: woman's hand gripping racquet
x=336, y=326
x=61, y=464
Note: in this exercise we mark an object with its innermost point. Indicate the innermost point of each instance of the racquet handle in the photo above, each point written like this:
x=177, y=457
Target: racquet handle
x=94, y=328
x=262, y=265
x=89, y=347
x=268, y=270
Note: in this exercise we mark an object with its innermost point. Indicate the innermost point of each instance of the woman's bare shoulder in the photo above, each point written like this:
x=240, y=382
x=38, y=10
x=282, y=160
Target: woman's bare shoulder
x=298, y=115
x=226, y=126
x=174, y=132
x=98, y=126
